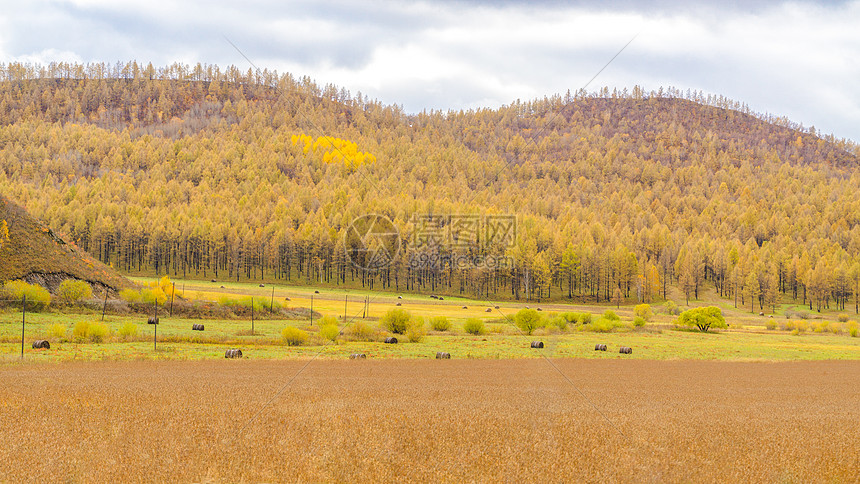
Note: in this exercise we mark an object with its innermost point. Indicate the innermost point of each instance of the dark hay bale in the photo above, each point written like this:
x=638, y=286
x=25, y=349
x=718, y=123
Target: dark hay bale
x=316, y=292
x=212, y=280
x=465, y=307
x=761, y=314
x=496, y=307
x=262, y=285
x=599, y=347
x=222, y=287
x=152, y=320
x=398, y=304
x=358, y=356
x=233, y=353
x=287, y=299
x=441, y=298
x=41, y=344
x=441, y=355
x=399, y=297
x=391, y=340
x=625, y=350
x=537, y=344
x=539, y=309
x=197, y=327
x=488, y=310
x=433, y=296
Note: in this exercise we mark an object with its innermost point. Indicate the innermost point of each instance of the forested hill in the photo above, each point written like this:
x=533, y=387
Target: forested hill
x=229, y=173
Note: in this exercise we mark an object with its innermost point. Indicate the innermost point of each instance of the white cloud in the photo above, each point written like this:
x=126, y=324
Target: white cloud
x=787, y=58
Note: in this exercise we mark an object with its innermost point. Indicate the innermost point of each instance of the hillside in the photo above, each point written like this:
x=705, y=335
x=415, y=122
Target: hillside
x=29, y=250
x=616, y=195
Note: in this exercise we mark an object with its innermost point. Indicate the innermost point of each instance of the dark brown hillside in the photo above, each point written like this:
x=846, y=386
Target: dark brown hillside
x=34, y=253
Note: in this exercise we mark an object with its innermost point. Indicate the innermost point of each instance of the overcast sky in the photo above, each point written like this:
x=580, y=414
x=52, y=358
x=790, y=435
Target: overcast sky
x=795, y=59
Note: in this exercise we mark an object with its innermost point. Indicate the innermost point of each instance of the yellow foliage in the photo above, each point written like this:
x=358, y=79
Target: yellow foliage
x=334, y=150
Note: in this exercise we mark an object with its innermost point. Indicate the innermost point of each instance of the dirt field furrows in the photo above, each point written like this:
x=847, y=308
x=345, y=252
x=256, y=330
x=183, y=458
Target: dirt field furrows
x=431, y=421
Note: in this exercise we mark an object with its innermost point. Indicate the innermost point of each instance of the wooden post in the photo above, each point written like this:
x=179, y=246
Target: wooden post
x=104, y=306
x=155, y=333
x=172, y=294
x=252, y=316
x=23, y=322
x=272, y=303
x=312, y=310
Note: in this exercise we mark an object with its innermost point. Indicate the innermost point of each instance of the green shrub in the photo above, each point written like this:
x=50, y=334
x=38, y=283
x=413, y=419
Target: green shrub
x=643, y=311
x=821, y=327
x=853, y=329
x=474, y=326
x=130, y=295
x=557, y=321
x=128, y=330
x=770, y=324
x=610, y=315
x=527, y=320
x=38, y=298
x=328, y=321
x=416, y=332
x=672, y=308
x=97, y=332
x=396, y=320
x=789, y=325
x=57, y=331
x=294, y=336
x=842, y=318
x=638, y=321
x=361, y=331
x=703, y=318
x=73, y=290
x=79, y=332
x=329, y=331
x=603, y=325
x=585, y=318
x=440, y=323
x=570, y=317
x=801, y=326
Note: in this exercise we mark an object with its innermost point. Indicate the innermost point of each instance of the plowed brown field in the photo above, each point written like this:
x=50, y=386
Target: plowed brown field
x=428, y=421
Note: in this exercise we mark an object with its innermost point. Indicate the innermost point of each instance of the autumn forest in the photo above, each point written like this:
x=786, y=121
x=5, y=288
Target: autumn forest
x=204, y=172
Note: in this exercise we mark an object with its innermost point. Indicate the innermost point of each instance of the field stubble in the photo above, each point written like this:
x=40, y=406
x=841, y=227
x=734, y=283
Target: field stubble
x=479, y=420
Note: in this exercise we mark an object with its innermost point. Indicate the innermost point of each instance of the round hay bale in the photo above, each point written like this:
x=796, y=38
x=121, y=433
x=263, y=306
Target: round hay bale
x=539, y=309
x=212, y=280
x=528, y=307
x=433, y=296
x=262, y=285
x=398, y=304
x=599, y=347
x=41, y=344
x=399, y=297
x=233, y=353
x=197, y=327
x=287, y=299
x=625, y=350
x=441, y=298
x=358, y=356
x=496, y=307
x=465, y=307
x=152, y=320
x=441, y=355
x=537, y=344
x=761, y=314
x=222, y=287
x=488, y=310
x=316, y=292
x=391, y=340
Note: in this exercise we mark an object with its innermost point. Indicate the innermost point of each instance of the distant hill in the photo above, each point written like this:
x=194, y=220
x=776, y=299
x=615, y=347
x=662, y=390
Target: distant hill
x=229, y=173
x=30, y=251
